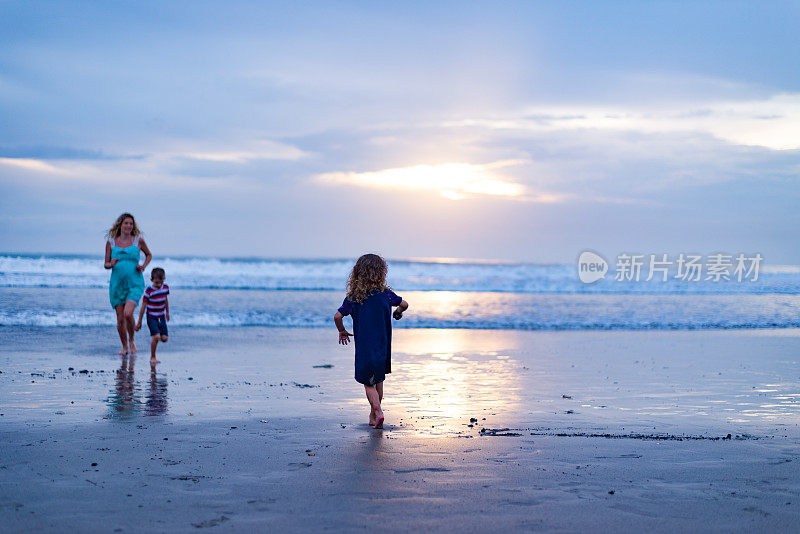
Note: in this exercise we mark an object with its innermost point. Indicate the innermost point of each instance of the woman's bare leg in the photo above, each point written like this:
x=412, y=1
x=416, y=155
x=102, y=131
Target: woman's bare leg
x=129, y=323
x=122, y=328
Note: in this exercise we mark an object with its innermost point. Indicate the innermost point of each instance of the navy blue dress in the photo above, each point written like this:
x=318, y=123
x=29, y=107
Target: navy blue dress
x=372, y=327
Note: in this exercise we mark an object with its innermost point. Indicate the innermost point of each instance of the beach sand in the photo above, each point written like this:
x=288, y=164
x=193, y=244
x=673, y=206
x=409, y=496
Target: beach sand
x=264, y=428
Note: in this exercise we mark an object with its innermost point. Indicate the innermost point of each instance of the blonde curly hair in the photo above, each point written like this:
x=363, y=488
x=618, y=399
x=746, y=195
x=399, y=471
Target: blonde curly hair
x=367, y=277
x=116, y=228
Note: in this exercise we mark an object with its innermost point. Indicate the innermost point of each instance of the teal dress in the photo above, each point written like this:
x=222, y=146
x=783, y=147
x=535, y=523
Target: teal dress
x=126, y=283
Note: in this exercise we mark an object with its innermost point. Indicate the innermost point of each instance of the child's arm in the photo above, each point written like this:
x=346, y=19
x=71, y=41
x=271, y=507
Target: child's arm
x=398, y=313
x=141, y=313
x=166, y=303
x=344, y=335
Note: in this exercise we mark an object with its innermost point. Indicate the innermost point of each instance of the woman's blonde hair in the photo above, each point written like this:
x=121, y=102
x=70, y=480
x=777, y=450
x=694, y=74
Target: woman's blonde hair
x=116, y=228
x=367, y=277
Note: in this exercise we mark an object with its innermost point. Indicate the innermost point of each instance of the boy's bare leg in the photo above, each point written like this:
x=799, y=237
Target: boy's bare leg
x=376, y=415
x=153, y=345
x=129, y=323
x=122, y=328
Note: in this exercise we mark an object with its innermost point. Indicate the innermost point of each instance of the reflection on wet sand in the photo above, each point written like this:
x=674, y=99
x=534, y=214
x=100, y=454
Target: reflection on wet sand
x=369, y=457
x=125, y=399
x=442, y=378
x=156, y=403
x=445, y=377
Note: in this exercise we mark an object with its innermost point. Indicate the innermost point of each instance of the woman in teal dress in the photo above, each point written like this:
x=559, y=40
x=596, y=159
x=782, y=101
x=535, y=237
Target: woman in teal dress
x=123, y=247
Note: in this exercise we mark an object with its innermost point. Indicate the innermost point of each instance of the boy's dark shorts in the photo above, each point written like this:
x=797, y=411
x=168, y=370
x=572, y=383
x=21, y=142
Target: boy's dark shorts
x=157, y=325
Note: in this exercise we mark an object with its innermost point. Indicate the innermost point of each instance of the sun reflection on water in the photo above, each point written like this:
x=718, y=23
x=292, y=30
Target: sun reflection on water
x=441, y=379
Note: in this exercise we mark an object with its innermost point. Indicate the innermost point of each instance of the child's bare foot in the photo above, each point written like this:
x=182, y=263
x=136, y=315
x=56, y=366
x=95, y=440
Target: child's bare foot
x=123, y=352
x=379, y=420
x=133, y=347
x=154, y=361
x=372, y=418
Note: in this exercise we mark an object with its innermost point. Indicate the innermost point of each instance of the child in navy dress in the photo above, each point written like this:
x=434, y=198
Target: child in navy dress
x=369, y=300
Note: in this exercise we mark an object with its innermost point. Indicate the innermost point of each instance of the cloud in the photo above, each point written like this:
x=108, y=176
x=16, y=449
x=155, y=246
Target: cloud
x=63, y=174
x=772, y=123
x=248, y=151
x=47, y=152
x=170, y=161
x=30, y=164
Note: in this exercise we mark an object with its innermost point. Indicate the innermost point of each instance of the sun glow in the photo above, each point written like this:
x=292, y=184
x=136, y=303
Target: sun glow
x=454, y=181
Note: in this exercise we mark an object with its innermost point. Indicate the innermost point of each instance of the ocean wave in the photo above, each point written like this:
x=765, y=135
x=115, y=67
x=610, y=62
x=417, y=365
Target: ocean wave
x=405, y=275
x=247, y=319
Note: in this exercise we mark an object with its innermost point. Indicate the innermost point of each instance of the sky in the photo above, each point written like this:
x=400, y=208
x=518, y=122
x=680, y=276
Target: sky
x=521, y=131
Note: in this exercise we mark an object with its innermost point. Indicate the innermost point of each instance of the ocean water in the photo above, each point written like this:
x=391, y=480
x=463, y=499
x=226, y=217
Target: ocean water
x=62, y=290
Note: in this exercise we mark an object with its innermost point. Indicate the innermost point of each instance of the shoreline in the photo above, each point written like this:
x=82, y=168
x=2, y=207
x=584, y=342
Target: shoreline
x=680, y=381
x=488, y=310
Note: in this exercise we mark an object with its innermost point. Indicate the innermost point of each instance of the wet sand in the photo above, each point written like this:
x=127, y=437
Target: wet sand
x=251, y=428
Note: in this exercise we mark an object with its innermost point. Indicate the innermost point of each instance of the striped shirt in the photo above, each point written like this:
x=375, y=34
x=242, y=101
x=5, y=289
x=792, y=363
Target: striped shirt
x=156, y=300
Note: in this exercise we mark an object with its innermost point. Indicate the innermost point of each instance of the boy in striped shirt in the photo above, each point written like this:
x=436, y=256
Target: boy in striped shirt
x=157, y=305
